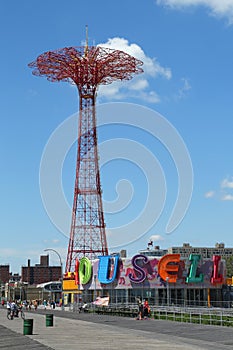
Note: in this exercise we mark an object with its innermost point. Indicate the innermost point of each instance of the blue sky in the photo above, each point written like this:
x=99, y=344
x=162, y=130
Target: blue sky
x=187, y=51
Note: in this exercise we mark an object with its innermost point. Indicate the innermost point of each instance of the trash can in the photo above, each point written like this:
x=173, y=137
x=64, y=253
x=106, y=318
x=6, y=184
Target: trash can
x=49, y=320
x=28, y=326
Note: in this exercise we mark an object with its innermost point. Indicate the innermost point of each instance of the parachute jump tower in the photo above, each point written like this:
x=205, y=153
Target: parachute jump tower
x=86, y=67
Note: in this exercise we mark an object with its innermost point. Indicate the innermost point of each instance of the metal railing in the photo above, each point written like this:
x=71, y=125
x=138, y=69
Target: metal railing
x=198, y=315
x=208, y=316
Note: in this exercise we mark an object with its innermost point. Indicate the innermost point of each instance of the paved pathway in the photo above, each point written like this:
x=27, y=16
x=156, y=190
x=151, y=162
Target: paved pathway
x=101, y=332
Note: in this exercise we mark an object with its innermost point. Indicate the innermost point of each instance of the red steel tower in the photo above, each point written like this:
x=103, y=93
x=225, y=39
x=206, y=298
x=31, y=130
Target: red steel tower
x=86, y=67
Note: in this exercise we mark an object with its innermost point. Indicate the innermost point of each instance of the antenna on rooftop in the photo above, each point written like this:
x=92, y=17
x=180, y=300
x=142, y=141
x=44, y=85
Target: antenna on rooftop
x=86, y=46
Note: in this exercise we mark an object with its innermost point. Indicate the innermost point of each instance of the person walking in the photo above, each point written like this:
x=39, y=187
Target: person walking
x=140, y=309
x=8, y=307
x=146, y=309
x=45, y=304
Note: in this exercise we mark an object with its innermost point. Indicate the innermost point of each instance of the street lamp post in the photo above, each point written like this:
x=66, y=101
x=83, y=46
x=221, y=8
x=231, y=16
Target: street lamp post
x=95, y=287
x=53, y=250
x=168, y=294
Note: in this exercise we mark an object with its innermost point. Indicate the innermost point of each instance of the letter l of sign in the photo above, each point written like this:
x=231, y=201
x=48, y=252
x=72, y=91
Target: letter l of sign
x=192, y=278
x=216, y=278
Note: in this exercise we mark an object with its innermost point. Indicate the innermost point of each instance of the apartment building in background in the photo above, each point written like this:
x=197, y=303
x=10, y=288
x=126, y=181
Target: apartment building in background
x=206, y=252
x=40, y=273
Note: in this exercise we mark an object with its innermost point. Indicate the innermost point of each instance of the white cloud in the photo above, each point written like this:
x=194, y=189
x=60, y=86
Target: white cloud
x=111, y=91
x=138, y=87
x=224, y=193
x=139, y=84
x=226, y=183
x=217, y=8
x=151, y=96
x=185, y=88
x=51, y=241
x=150, y=65
x=209, y=194
x=156, y=238
x=227, y=197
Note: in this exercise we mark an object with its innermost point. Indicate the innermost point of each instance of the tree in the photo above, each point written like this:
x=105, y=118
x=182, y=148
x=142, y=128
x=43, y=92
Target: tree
x=229, y=266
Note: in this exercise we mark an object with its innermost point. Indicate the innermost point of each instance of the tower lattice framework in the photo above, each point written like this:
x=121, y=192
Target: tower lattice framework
x=86, y=67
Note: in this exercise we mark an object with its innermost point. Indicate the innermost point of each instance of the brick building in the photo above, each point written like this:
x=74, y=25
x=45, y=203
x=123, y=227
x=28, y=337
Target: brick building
x=4, y=273
x=41, y=273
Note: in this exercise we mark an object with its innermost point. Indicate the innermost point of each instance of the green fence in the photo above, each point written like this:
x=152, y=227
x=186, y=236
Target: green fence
x=199, y=316
x=208, y=316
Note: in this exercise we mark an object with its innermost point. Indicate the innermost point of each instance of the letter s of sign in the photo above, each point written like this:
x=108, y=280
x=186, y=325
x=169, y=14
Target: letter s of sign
x=139, y=269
